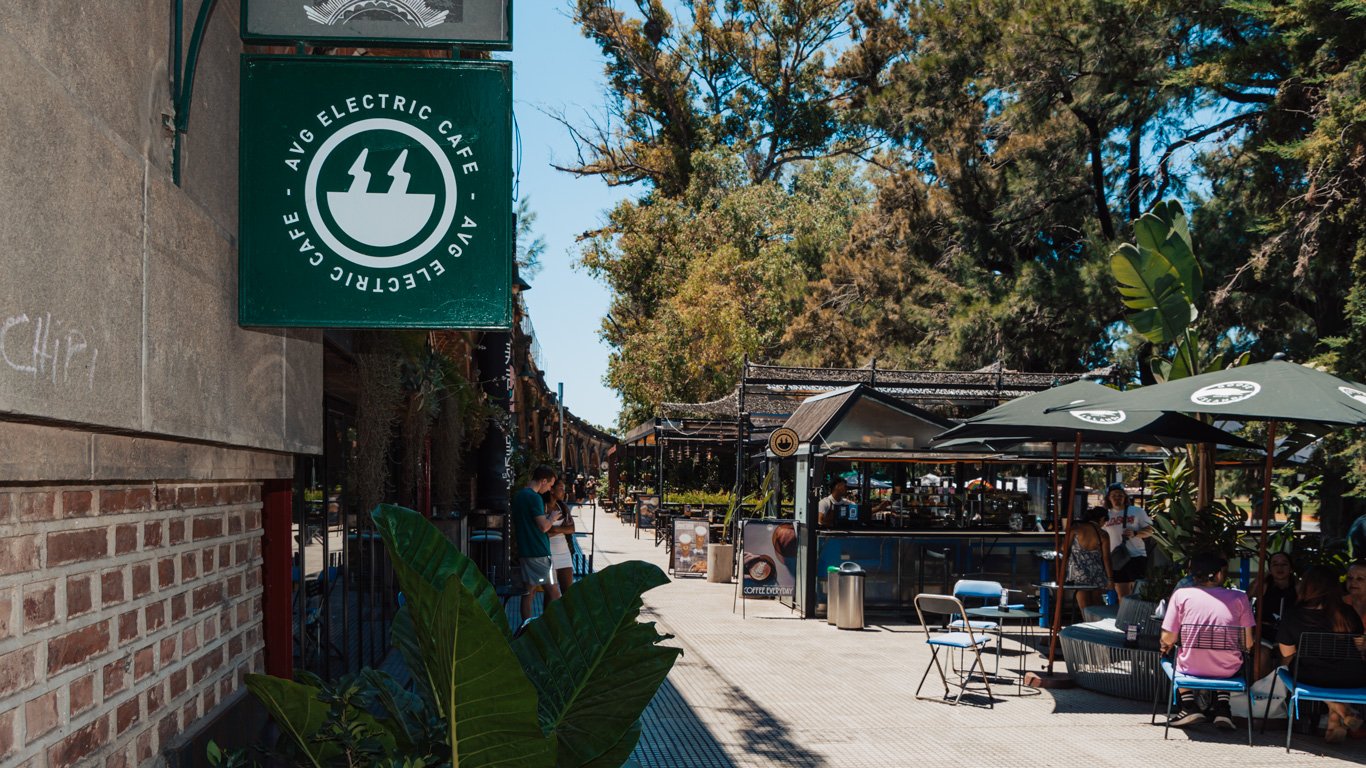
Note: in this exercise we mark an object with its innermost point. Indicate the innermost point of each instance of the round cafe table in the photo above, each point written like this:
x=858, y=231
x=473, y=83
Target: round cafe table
x=1029, y=620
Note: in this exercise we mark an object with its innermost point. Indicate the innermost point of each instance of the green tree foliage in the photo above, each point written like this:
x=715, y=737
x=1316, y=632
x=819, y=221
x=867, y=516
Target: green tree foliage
x=702, y=280
x=1025, y=134
x=1010, y=146
x=746, y=76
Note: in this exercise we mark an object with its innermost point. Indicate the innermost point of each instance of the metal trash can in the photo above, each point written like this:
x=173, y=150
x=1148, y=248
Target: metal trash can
x=849, y=604
x=832, y=580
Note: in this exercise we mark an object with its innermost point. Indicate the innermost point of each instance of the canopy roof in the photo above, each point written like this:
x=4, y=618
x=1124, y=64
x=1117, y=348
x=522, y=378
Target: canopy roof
x=862, y=417
x=773, y=392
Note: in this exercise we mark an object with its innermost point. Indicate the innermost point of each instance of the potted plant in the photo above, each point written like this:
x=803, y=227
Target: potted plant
x=567, y=691
x=721, y=556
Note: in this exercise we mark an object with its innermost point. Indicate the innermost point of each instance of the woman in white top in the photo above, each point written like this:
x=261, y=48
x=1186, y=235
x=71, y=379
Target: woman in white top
x=1127, y=525
x=560, y=558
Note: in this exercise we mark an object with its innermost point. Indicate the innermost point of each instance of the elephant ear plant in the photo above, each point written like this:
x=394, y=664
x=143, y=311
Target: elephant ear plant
x=568, y=691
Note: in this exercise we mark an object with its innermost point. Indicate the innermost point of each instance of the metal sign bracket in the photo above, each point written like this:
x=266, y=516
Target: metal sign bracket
x=182, y=82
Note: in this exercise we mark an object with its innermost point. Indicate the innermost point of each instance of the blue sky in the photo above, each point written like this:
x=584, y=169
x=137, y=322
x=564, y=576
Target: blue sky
x=555, y=68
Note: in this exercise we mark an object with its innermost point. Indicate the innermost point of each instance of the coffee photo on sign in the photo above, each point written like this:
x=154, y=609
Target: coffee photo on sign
x=768, y=564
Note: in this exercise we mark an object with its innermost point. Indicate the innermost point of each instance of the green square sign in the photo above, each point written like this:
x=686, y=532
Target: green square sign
x=375, y=193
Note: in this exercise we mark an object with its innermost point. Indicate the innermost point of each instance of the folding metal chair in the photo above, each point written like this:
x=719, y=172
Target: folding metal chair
x=1232, y=640
x=948, y=607
x=1329, y=646
x=989, y=593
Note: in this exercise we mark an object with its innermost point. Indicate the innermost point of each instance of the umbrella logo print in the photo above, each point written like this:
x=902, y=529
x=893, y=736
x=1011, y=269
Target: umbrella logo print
x=1354, y=393
x=1226, y=393
x=1100, y=417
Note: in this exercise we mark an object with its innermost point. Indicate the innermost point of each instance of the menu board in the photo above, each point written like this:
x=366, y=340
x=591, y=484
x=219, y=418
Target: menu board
x=690, y=538
x=768, y=560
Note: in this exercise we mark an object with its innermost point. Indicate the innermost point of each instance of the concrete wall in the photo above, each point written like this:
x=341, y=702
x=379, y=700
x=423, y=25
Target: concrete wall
x=137, y=420
x=118, y=289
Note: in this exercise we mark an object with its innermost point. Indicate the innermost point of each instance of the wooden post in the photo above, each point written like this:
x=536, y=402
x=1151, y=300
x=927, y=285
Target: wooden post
x=277, y=583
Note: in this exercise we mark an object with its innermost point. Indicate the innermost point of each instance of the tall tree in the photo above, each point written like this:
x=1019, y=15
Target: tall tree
x=703, y=280
x=749, y=76
x=719, y=113
x=1028, y=135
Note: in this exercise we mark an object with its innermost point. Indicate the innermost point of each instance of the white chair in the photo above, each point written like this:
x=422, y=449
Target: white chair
x=964, y=641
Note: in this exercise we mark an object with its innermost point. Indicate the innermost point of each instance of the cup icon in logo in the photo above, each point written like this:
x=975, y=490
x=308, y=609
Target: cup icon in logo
x=375, y=219
x=382, y=219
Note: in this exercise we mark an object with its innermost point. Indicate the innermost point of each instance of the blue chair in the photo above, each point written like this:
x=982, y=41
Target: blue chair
x=988, y=594
x=1332, y=647
x=1209, y=638
x=964, y=641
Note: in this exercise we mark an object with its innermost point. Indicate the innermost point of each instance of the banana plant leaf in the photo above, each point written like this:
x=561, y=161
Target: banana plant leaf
x=595, y=665
x=429, y=554
x=619, y=754
x=480, y=691
x=299, y=713
x=1158, y=275
x=1164, y=230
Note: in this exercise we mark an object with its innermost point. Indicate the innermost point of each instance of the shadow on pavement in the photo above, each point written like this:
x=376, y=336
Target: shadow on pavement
x=673, y=736
x=765, y=735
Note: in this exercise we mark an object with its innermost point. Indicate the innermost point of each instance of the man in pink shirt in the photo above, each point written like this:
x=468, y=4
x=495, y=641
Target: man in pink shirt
x=1206, y=604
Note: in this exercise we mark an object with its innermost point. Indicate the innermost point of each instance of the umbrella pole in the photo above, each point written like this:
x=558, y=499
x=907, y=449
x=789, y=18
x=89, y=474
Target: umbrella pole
x=1057, y=506
x=1066, y=551
x=1266, y=518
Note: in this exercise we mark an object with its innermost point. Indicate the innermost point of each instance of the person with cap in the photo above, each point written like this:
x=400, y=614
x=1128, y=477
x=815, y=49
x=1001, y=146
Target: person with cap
x=1128, y=526
x=1207, y=604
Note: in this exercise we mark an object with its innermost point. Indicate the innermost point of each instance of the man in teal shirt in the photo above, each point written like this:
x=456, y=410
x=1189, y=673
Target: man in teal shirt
x=529, y=527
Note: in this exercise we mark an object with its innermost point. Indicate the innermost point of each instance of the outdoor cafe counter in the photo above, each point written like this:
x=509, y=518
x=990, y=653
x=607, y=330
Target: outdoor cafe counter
x=902, y=563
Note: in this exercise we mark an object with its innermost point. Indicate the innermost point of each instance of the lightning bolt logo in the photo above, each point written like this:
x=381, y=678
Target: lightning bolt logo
x=360, y=178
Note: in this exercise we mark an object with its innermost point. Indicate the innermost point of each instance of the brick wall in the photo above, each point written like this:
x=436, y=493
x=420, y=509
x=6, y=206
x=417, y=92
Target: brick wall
x=127, y=613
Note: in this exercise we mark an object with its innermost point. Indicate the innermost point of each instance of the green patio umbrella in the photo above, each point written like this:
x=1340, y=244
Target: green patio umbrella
x=1059, y=415
x=1041, y=416
x=1275, y=390
x=1272, y=391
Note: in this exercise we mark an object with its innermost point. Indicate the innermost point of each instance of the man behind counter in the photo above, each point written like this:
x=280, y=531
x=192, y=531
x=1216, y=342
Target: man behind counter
x=828, y=509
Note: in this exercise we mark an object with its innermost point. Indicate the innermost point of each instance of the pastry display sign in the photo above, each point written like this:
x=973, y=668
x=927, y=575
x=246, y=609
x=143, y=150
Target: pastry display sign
x=483, y=24
x=690, y=538
x=375, y=193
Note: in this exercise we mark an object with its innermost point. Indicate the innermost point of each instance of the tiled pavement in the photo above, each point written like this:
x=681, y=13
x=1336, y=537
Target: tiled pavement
x=774, y=690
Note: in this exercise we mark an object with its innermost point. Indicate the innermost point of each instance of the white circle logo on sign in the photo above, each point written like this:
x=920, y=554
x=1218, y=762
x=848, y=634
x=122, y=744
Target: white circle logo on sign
x=1226, y=394
x=1100, y=416
x=1354, y=393
x=379, y=219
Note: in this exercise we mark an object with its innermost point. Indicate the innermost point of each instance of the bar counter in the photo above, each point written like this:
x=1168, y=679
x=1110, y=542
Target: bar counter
x=903, y=563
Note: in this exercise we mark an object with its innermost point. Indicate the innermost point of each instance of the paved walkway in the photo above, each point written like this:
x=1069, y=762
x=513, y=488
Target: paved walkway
x=775, y=690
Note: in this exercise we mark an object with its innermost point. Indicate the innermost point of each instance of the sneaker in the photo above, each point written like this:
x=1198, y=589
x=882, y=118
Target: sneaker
x=1187, y=717
x=1223, y=719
